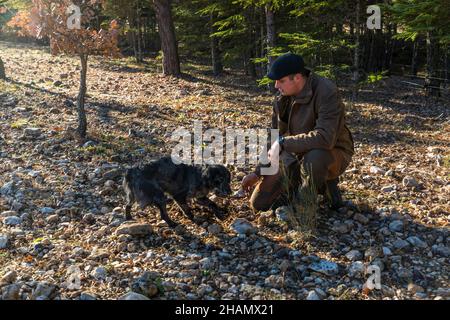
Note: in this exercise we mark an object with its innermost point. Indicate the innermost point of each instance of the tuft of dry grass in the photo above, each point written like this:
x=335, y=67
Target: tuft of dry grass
x=302, y=204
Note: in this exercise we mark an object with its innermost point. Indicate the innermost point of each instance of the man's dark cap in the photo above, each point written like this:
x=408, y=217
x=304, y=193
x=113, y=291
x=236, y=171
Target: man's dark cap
x=286, y=64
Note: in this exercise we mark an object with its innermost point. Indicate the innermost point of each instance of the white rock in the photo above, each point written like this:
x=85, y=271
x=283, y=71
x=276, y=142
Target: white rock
x=387, y=251
x=133, y=296
x=354, y=255
x=242, y=226
x=12, y=221
x=410, y=182
x=135, y=229
x=32, y=132
x=239, y=194
x=377, y=170
x=4, y=241
x=312, y=295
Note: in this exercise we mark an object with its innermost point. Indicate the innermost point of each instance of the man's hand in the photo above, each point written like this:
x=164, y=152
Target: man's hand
x=274, y=152
x=249, y=181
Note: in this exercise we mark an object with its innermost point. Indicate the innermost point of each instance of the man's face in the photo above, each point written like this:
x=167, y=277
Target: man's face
x=290, y=85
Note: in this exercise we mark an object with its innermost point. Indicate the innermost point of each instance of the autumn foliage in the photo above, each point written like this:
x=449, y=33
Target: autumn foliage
x=55, y=20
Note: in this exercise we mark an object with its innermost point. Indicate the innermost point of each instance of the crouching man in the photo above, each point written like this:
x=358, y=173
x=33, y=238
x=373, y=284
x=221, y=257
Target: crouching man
x=314, y=138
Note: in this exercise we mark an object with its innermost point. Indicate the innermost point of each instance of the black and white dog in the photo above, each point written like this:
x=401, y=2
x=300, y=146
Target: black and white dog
x=148, y=186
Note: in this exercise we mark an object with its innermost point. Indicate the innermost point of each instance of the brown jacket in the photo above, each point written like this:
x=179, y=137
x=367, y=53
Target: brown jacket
x=315, y=119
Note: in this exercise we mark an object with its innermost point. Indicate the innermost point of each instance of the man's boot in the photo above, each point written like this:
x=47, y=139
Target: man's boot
x=333, y=194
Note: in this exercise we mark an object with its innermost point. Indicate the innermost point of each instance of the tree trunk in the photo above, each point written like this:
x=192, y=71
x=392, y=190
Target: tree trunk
x=139, y=37
x=356, y=54
x=171, y=63
x=414, y=57
x=270, y=31
x=215, y=50
x=431, y=83
x=270, y=39
x=2, y=70
x=82, y=121
x=446, y=66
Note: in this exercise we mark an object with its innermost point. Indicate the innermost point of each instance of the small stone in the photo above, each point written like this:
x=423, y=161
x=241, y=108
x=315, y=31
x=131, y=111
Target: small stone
x=47, y=210
x=312, y=295
x=239, y=194
x=57, y=83
x=354, y=255
x=417, y=242
x=396, y=226
x=410, y=182
x=88, y=296
x=135, y=229
x=88, y=144
x=341, y=228
x=376, y=170
x=274, y=281
x=145, y=285
x=31, y=132
x=11, y=292
x=387, y=251
x=361, y=218
x=282, y=213
x=133, y=296
x=189, y=264
x=112, y=174
x=99, y=273
x=89, y=218
x=52, y=219
x=389, y=173
x=205, y=263
x=356, y=269
x=400, y=244
x=321, y=293
x=12, y=221
x=388, y=189
x=414, y=288
x=9, y=277
x=109, y=184
x=372, y=253
x=441, y=250
x=444, y=292
x=214, y=228
x=325, y=267
x=4, y=239
x=7, y=188
x=242, y=226
x=43, y=290
x=8, y=213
